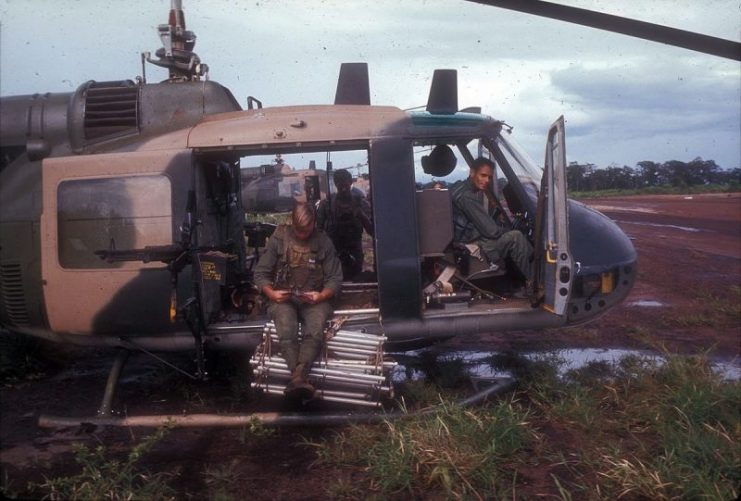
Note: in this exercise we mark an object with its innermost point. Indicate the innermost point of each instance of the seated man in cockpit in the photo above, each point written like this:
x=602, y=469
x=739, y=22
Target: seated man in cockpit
x=474, y=209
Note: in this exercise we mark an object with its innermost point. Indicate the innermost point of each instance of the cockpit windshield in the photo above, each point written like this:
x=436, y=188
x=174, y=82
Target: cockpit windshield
x=522, y=165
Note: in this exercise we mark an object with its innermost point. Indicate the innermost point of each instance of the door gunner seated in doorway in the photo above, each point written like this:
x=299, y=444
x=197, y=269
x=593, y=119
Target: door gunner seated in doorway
x=299, y=273
x=474, y=210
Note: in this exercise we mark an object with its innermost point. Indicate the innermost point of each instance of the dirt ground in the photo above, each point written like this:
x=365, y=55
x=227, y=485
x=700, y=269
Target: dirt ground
x=689, y=261
x=689, y=251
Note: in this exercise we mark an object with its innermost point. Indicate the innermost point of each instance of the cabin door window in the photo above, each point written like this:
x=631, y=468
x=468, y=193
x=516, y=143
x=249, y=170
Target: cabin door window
x=111, y=213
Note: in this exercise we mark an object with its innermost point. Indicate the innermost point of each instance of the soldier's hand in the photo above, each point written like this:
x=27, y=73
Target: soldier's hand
x=311, y=297
x=279, y=296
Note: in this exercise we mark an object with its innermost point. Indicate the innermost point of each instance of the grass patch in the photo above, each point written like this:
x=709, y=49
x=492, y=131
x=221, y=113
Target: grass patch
x=221, y=481
x=104, y=477
x=21, y=358
x=645, y=428
x=699, y=319
x=253, y=431
x=728, y=304
x=455, y=453
x=710, y=309
x=655, y=431
x=641, y=333
x=417, y=393
x=657, y=190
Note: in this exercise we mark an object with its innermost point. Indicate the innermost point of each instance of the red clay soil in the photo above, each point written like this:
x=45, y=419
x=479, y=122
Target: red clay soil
x=689, y=261
x=686, y=299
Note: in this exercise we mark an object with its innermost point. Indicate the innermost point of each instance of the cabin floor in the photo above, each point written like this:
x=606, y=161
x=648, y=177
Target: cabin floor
x=357, y=298
x=689, y=270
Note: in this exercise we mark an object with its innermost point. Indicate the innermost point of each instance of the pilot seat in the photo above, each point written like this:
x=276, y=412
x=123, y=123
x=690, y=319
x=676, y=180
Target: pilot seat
x=450, y=259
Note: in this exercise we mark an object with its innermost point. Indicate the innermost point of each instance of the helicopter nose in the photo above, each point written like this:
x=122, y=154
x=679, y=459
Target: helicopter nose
x=605, y=263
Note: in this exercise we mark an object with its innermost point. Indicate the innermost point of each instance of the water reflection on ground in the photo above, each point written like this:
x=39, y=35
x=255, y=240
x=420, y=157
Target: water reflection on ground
x=431, y=363
x=647, y=303
x=657, y=225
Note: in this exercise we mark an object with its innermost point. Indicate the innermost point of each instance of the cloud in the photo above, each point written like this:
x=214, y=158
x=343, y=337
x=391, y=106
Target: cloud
x=623, y=98
x=633, y=103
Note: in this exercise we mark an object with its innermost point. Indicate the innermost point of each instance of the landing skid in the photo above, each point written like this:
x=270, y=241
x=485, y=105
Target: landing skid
x=498, y=387
x=351, y=370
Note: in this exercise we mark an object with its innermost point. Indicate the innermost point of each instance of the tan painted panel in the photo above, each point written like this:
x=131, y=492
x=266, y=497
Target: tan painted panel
x=75, y=297
x=297, y=124
x=169, y=141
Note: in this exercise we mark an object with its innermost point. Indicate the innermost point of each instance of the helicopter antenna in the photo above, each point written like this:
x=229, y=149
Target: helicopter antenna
x=176, y=53
x=443, y=96
x=353, y=86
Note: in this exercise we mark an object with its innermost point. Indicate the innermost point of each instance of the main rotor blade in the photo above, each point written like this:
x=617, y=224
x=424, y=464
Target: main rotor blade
x=632, y=27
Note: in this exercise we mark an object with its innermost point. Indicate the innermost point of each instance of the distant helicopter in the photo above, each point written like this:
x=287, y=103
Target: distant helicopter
x=122, y=220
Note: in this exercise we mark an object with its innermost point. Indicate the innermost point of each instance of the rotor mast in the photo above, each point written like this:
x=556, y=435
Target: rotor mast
x=176, y=53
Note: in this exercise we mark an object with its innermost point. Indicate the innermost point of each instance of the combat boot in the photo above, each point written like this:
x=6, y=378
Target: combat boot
x=299, y=386
x=534, y=294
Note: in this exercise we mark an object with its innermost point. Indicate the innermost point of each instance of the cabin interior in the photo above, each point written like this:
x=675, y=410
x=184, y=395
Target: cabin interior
x=412, y=216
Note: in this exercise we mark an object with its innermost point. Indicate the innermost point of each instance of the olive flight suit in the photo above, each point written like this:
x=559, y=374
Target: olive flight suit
x=473, y=217
x=299, y=266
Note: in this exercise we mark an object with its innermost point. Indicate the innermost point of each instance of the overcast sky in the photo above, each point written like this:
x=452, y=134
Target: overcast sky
x=625, y=100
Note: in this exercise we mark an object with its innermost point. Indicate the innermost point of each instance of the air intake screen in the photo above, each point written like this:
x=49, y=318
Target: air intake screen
x=111, y=109
x=11, y=294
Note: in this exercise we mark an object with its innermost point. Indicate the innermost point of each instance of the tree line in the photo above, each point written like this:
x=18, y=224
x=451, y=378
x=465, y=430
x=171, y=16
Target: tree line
x=646, y=174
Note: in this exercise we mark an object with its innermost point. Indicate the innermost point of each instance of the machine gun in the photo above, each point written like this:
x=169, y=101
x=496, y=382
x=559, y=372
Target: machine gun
x=174, y=255
x=209, y=275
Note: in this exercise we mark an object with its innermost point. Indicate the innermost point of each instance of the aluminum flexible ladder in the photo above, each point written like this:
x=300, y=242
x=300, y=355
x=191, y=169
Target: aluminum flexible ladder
x=350, y=369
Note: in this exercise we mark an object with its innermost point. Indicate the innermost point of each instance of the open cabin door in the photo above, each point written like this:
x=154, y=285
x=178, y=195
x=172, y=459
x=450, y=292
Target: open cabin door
x=102, y=202
x=553, y=261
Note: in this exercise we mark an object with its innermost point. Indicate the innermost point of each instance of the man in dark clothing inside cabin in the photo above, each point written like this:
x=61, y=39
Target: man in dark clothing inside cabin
x=344, y=216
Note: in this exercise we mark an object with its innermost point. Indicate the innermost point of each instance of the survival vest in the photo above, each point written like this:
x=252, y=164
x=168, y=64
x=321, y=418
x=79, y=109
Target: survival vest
x=298, y=266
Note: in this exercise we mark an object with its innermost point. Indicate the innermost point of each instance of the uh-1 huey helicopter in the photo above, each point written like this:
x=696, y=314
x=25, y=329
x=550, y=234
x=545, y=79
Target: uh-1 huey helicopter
x=123, y=225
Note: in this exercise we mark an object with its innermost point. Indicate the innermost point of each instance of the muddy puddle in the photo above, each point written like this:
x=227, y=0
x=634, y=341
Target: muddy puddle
x=139, y=368
x=479, y=364
x=647, y=303
x=432, y=362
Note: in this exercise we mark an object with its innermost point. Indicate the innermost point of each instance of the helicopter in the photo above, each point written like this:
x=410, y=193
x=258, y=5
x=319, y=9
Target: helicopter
x=123, y=219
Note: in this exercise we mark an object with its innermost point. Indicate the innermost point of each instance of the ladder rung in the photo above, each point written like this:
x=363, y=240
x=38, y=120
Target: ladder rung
x=275, y=390
x=351, y=369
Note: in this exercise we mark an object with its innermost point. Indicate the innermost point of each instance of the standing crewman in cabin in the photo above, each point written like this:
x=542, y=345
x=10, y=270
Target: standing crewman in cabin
x=343, y=216
x=474, y=210
x=299, y=273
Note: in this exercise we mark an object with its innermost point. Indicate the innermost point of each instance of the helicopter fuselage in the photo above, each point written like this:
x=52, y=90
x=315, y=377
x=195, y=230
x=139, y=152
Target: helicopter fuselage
x=148, y=177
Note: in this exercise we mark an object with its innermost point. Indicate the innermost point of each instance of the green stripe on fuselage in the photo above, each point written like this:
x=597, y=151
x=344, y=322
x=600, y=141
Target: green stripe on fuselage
x=425, y=119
